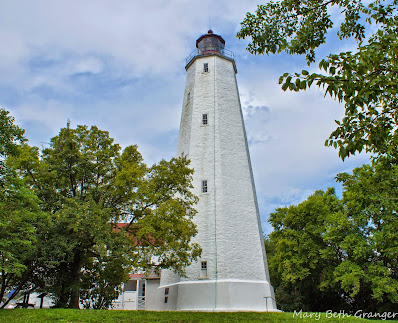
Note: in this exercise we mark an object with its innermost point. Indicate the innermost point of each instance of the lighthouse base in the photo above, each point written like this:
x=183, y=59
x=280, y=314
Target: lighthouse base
x=219, y=296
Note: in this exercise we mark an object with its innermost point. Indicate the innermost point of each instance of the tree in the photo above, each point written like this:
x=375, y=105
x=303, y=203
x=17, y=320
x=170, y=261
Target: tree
x=101, y=279
x=10, y=135
x=301, y=262
x=365, y=81
x=20, y=219
x=89, y=185
x=331, y=254
x=369, y=271
x=20, y=215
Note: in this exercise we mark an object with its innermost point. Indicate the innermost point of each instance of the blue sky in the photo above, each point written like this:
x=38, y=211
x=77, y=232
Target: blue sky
x=120, y=65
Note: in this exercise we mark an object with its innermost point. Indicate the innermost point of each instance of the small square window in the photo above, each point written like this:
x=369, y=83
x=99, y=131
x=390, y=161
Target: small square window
x=203, y=270
x=204, y=119
x=205, y=67
x=166, y=291
x=204, y=186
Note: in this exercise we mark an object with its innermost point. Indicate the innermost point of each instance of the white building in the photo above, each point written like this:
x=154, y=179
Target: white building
x=232, y=274
x=139, y=293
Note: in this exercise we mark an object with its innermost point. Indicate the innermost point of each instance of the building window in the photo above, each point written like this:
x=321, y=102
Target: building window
x=130, y=286
x=166, y=295
x=203, y=270
x=188, y=96
x=204, y=119
x=205, y=67
x=204, y=186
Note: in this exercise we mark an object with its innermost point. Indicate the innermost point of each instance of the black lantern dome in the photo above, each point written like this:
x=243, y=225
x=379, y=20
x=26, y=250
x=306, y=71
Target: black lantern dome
x=210, y=43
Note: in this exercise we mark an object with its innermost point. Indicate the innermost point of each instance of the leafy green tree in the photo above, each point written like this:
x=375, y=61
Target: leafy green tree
x=331, y=254
x=364, y=80
x=20, y=216
x=10, y=135
x=89, y=185
x=20, y=219
x=301, y=262
x=101, y=279
x=369, y=270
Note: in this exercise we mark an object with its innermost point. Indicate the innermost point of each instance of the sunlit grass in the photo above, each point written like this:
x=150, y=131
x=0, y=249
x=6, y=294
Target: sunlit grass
x=66, y=315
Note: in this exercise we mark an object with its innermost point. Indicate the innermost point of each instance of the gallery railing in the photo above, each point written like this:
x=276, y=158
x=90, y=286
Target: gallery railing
x=207, y=51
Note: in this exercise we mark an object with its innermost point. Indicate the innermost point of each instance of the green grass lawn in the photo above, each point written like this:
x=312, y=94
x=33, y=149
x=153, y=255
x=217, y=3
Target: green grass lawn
x=63, y=315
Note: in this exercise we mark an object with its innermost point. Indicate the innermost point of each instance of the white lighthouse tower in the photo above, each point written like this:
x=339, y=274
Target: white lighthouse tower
x=232, y=274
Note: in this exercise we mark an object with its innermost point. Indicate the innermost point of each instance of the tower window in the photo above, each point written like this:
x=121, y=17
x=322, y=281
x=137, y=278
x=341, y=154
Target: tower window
x=203, y=270
x=204, y=119
x=166, y=291
x=204, y=186
x=188, y=96
x=205, y=67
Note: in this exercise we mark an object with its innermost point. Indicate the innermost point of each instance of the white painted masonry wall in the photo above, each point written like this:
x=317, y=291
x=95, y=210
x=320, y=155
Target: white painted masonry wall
x=154, y=295
x=228, y=222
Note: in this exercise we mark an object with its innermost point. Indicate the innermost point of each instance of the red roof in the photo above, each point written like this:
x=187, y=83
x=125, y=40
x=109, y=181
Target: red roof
x=136, y=275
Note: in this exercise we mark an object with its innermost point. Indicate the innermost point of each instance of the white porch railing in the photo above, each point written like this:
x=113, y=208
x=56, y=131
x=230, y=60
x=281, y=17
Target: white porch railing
x=141, y=302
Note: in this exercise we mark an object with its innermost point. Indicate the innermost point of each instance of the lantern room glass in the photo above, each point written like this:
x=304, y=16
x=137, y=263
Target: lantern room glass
x=210, y=44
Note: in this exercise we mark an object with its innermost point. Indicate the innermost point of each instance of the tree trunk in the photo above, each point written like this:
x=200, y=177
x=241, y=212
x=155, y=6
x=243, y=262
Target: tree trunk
x=75, y=299
x=3, y=284
x=63, y=299
x=63, y=294
x=76, y=267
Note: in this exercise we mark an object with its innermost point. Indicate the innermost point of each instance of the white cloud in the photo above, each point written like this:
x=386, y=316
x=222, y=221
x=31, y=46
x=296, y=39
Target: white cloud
x=120, y=65
x=89, y=65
